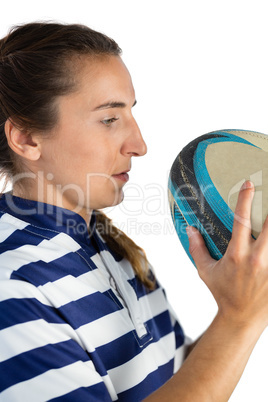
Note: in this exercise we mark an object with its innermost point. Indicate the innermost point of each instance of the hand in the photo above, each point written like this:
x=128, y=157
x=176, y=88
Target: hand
x=239, y=280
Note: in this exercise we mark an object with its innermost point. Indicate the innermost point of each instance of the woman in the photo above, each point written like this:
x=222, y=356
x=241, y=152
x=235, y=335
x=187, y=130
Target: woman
x=82, y=316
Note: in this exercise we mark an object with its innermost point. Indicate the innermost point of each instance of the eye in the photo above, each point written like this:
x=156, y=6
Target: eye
x=108, y=122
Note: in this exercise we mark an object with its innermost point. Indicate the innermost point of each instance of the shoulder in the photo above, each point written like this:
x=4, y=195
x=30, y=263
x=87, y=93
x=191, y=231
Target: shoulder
x=23, y=244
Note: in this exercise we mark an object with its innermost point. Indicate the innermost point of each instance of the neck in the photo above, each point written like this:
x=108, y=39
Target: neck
x=54, y=197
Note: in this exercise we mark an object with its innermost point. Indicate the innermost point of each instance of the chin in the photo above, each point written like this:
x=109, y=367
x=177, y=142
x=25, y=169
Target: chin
x=118, y=199
x=110, y=202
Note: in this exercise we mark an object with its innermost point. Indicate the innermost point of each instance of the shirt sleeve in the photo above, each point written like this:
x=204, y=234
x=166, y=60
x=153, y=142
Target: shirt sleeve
x=182, y=341
x=41, y=356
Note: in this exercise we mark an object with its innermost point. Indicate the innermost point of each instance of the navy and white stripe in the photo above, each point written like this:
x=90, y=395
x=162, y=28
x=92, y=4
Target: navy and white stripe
x=75, y=323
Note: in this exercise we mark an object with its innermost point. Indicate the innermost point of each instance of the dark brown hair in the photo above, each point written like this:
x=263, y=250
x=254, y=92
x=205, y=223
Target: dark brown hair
x=37, y=65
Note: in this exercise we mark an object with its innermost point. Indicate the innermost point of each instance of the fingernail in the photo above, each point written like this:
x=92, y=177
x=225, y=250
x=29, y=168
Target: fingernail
x=247, y=184
x=190, y=231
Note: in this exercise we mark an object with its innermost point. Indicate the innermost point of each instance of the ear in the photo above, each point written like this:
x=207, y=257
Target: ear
x=21, y=142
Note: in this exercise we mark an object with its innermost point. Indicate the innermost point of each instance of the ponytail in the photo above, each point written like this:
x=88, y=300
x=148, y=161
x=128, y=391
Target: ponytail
x=119, y=242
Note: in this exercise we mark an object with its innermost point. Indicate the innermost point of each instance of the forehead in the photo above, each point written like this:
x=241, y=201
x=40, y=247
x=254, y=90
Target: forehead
x=105, y=78
x=99, y=81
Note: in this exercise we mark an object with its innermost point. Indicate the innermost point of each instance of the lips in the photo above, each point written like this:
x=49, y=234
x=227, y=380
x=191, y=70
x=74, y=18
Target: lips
x=123, y=176
x=123, y=172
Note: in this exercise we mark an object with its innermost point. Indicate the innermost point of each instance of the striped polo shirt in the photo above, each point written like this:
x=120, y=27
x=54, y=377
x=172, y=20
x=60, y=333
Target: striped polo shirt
x=75, y=322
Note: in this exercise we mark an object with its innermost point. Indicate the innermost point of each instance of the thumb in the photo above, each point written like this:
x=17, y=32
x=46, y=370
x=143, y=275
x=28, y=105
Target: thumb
x=199, y=251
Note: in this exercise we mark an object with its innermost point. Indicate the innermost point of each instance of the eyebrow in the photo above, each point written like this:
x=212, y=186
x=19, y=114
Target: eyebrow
x=110, y=105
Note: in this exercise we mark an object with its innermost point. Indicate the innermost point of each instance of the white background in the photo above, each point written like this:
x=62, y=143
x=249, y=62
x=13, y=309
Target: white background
x=197, y=66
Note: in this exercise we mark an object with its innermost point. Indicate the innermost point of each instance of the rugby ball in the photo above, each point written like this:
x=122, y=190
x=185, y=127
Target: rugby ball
x=205, y=180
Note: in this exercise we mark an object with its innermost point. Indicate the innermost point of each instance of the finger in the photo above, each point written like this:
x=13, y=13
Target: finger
x=261, y=245
x=241, y=232
x=199, y=251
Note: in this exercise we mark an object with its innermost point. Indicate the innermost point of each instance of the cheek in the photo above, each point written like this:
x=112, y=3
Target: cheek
x=99, y=158
x=73, y=157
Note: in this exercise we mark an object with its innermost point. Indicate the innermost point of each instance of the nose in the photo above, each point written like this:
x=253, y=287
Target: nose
x=134, y=144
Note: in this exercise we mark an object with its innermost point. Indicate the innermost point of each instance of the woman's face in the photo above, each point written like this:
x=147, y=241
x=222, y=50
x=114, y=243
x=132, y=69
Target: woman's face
x=84, y=163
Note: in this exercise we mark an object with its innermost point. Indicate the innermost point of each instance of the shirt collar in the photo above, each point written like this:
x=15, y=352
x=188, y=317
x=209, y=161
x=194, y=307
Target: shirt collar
x=48, y=216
